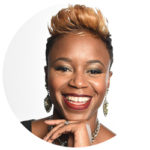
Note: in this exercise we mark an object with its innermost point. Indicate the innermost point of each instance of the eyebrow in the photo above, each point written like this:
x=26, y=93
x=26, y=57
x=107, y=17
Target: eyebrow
x=62, y=59
x=96, y=61
x=69, y=60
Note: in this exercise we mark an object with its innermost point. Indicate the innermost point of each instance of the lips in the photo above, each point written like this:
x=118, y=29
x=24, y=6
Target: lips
x=77, y=102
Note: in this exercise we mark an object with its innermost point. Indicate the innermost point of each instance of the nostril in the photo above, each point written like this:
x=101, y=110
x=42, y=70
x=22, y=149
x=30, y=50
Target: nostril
x=78, y=83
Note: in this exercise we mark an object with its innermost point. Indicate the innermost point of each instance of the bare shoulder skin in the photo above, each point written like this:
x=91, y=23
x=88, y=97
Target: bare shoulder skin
x=104, y=135
x=39, y=128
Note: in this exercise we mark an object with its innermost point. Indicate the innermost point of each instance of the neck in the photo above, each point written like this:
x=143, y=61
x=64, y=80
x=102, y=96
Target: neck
x=93, y=122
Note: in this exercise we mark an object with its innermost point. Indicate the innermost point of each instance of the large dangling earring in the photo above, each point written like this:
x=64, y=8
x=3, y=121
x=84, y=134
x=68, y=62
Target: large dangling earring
x=105, y=105
x=48, y=103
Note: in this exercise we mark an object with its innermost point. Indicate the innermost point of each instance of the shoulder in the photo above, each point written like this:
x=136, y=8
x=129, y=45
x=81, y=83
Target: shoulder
x=104, y=134
x=39, y=128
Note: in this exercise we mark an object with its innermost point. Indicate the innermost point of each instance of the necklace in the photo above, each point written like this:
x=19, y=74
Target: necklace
x=95, y=133
x=65, y=136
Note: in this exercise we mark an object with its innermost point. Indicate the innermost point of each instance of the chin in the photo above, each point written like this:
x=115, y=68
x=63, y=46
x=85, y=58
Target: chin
x=76, y=116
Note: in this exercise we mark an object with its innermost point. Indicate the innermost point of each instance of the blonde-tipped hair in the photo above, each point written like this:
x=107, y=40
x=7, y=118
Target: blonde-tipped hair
x=77, y=19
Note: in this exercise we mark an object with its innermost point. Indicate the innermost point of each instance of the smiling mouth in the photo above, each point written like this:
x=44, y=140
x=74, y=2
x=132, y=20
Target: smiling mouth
x=77, y=102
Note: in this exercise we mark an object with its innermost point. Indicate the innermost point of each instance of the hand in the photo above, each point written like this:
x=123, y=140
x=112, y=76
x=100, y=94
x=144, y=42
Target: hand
x=80, y=130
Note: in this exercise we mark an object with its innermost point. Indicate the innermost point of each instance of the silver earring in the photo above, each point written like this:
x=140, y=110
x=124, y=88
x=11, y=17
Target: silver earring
x=105, y=105
x=48, y=103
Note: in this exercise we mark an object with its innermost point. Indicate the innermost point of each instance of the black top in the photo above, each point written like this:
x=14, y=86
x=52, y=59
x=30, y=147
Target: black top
x=27, y=124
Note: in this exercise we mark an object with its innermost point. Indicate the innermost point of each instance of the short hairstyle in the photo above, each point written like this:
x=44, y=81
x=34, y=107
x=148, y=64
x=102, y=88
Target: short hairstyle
x=79, y=19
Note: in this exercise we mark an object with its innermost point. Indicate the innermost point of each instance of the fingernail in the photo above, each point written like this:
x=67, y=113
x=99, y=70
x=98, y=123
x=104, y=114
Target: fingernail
x=44, y=138
x=50, y=141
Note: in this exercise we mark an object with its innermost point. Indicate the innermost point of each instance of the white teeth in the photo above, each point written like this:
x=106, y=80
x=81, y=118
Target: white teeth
x=77, y=99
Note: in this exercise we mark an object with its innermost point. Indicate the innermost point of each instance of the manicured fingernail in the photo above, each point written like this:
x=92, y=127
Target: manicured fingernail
x=50, y=141
x=45, y=138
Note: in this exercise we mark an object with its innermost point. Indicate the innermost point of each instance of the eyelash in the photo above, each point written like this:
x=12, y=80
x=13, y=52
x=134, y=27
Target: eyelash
x=94, y=71
x=66, y=69
x=63, y=69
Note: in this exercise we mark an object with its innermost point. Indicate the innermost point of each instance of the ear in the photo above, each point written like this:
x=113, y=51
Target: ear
x=45, y=70
x=109, y=76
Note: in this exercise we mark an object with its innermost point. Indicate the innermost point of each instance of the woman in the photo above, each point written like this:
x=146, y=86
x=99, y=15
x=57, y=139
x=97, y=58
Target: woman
x=79, y=57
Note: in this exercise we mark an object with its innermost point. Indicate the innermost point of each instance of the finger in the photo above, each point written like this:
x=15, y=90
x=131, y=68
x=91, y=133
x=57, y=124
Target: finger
x=63, y=130
x=54, y=122
x=50, y=141
x=48, y=136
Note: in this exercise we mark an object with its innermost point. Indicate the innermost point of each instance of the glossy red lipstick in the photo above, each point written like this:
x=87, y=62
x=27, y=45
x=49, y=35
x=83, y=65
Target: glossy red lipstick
x=77, y=105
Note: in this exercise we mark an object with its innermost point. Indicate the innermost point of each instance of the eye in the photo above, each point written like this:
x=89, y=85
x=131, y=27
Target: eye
x=63, y=68
x=94, y=71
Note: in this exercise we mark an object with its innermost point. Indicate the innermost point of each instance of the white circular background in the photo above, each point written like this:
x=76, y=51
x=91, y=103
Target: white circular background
x=23, y=73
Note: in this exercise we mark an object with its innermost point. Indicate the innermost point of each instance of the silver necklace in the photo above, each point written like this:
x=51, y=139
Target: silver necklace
x=65, y=136
x=95, y=133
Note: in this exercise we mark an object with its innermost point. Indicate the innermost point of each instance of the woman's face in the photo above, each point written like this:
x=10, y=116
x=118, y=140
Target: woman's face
x=78, y=75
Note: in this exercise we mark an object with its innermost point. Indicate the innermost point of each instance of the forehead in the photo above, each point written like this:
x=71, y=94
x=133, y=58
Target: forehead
x=80, y=47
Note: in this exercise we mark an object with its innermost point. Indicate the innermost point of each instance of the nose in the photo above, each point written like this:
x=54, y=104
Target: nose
x=78, y=81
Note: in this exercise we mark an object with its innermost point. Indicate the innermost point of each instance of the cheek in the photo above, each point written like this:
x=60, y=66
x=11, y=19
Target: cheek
x=99, y=85
x=55, y=82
